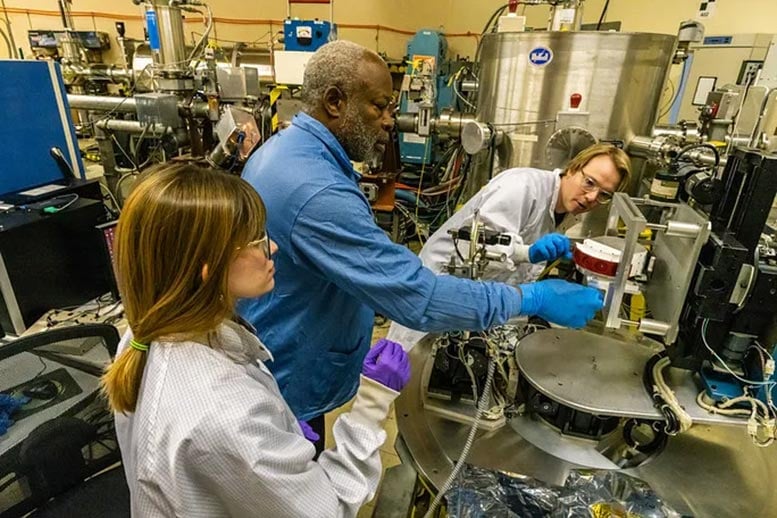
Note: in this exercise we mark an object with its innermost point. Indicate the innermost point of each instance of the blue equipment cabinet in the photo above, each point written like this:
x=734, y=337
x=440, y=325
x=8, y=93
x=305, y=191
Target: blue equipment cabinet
x=34, y=118
x=427, y=46
x=307, y=35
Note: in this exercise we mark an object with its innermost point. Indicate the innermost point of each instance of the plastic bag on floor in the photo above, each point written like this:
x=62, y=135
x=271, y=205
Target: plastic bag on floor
x=479, y=493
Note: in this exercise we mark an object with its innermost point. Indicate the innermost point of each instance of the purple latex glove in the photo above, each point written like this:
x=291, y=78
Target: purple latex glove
x=308, y=432
x=388, y=364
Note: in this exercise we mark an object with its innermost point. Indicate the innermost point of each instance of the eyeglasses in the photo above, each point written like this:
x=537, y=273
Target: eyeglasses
x=264, y=243
x=590, y=185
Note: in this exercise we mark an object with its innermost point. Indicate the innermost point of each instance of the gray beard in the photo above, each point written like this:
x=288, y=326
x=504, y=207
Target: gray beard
x=356, y=137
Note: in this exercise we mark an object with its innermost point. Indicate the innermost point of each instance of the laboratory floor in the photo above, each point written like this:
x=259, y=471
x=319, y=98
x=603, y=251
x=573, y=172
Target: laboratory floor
x=388, y=455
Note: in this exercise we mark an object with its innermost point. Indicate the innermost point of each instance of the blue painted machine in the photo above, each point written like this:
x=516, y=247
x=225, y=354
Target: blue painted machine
x=307, y=35
x=424, y=91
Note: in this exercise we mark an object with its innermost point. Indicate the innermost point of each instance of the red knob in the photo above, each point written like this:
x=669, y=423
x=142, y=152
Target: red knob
x=512, y=6
x=575, y=100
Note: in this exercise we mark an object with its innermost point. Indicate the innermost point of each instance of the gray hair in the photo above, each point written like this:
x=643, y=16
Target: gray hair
x=334, y=64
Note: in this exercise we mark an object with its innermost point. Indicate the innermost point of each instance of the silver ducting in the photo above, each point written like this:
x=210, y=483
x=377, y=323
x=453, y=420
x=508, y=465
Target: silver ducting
x=102, y=103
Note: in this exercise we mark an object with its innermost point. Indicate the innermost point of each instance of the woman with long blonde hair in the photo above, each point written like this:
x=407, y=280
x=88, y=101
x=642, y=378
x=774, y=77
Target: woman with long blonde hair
x=202, y=426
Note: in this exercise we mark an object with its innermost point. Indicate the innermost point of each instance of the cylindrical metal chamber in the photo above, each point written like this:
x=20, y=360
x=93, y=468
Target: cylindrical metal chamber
x=531, y=81
x=172, y=43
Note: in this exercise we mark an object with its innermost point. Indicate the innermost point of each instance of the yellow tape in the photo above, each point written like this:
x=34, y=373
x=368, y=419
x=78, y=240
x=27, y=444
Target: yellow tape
x=275, y=94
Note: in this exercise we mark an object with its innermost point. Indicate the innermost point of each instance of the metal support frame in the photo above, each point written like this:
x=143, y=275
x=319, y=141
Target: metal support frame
x=676, y=248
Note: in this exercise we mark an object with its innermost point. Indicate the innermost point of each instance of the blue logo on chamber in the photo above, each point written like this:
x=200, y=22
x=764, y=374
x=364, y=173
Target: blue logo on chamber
x=540, y=56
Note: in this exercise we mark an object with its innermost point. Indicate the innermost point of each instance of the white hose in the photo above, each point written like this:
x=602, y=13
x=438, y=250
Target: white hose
x=481, y=408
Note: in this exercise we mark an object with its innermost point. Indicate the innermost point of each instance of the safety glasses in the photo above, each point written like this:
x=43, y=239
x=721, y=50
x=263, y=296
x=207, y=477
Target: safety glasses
x=590, y=185
x=263, y=244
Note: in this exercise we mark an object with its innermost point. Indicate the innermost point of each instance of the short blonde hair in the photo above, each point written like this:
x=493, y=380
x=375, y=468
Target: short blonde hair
x=617, y=155
x=177, y=220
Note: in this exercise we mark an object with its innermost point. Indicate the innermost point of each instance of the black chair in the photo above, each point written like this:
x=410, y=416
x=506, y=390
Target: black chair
x=69, y=463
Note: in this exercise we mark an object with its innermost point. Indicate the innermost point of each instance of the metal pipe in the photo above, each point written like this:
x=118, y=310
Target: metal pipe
x=406, y=122
x=11, y=53
x=676, y=229
x=469, y=85
x=737, y=141
x=450, y=123
x=108, y=158
x=652, y=147
x=107, y=103
x=653, y=327
x=134, y=127
x=14, y=50
x=199, y=109
x=682, y=229
x=757, y=127
x=688, y=132
x=98, y=72
x=699, y=156
x=447, y=124
x=64, y=12
x=102, y=103
x=658, y=147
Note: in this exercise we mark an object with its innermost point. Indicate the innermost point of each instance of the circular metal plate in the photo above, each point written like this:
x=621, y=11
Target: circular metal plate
x=565, y=144
x=602, y=374
x=707, y=471
x=582, y=370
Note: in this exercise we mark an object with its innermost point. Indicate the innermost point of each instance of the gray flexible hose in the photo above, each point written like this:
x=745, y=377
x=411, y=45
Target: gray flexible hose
x=481, y=408
x=11, y=53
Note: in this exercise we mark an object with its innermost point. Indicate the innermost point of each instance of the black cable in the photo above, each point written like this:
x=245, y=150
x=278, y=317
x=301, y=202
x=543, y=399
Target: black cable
x=672, y=426
x=604, y=13
x=701, y=145
x=494, y=15
x=40, y=373
x=139, y=143
x=456, y=247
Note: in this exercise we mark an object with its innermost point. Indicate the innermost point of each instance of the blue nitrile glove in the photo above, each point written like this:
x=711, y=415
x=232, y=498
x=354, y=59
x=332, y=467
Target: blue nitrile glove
x=308, y=432
x=549, y=248
x=388, y=364
x=561, y=302
x=5, y=423
x=9, y=405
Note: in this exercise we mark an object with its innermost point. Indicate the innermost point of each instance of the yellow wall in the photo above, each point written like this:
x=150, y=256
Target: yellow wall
x=453, y=16
x=662, y=16
x=43, y=14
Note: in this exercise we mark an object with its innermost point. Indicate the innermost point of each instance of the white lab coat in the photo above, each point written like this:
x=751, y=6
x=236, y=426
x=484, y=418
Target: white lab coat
x=518, y=201
x=212, y=437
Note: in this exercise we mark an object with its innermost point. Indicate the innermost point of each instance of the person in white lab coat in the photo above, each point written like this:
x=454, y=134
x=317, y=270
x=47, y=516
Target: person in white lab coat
x=531, y=205
x=201, y=424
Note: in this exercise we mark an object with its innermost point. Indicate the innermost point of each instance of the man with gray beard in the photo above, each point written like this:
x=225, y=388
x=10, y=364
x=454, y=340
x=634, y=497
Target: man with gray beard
x=336, y=267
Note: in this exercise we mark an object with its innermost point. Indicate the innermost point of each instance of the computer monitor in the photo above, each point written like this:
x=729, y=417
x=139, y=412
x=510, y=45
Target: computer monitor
x=34, y=118
x=109, y=233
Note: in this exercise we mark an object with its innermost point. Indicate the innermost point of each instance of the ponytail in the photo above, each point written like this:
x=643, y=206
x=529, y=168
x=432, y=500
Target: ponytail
x=122, y=378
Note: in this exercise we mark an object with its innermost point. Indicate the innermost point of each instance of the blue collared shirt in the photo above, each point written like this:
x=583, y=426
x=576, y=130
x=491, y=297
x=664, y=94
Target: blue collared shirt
x=335, y=268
